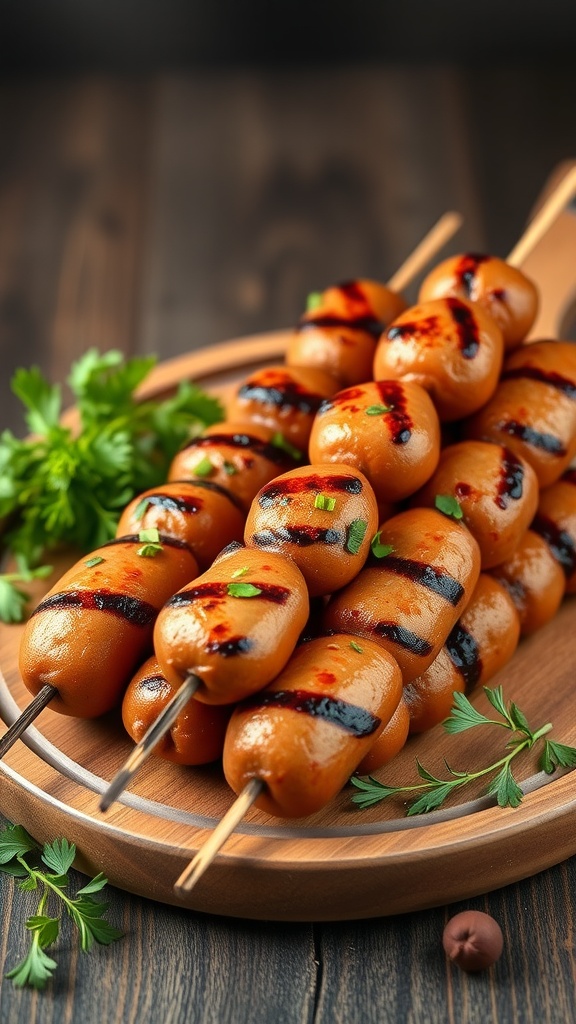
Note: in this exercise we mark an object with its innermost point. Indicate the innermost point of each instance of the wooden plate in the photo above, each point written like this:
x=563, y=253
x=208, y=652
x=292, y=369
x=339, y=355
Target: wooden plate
x=342, y=863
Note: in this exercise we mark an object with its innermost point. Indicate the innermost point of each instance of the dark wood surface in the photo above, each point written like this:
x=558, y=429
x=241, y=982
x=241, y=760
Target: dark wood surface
x=173, y=212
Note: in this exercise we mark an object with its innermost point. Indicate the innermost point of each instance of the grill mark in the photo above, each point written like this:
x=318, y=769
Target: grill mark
x=315, y=483
x=133, y=538
x=555, y=380
x=420, y=572
x=369, y=324
x=510, y=483
x=466, y=268
x=154, y=684
x=303, y=536
x=546, y=442
x=284, y=393
x=245, y=442
x=464, y=654
x=174, y=503
x=398, y=419
x=231, y=647
x=355, y=720
x=210, y=485
x=426, y=326
x=468, y=333
x=403, y=637
x=560, y=542
x=268, y=592
x=131, y=609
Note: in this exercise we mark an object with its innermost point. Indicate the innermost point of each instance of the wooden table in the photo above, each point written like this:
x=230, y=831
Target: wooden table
x=173, y=212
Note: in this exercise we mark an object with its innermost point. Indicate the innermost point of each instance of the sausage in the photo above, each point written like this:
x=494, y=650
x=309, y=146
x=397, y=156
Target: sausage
x=534, y=580
x=533, y=410
x=235, y=626
x=284, y=399
x=339, y=332
x=304, y=735
x=238, y=456
x=480, y=644
x=92, y=630
x=450, y=347
x=197, y=735
x=389, y=430
x=410, y=599
x=200, y=512
x=555, y=522
x=390, y=741
x=505, y=292
x=496, y=489
x=322, y=517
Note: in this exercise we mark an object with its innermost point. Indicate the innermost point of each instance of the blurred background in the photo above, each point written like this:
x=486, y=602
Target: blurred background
x=174, y=174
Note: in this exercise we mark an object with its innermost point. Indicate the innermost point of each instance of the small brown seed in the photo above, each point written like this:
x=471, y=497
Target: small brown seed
x=473, y=940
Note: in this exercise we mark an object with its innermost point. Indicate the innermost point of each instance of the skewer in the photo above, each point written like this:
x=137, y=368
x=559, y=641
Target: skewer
x=221, y=833
x=41, y=700
x=543, y=220
x=151, y=738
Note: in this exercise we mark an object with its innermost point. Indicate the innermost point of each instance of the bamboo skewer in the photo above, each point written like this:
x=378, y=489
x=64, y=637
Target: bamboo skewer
x=41, y=700
x=547, y=214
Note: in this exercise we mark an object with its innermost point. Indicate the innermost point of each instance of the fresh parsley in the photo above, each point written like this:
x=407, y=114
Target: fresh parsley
x=243, y=590
x=380, y=550
x=23, y=858
x=503, y=785
x=355, y=535
x=378, y=410
x=65, y=485
x=151, y=544
x=279, y=441
x=449, y=505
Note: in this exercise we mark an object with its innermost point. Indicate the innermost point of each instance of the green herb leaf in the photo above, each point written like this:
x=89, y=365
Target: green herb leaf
x=15, y=841
x=371, y=791
x=431, y=800
x=229, y=468
x=34, y=970
x=313, y=301
x=505, y=788
x=355, y=535
x=378, y=549
x=356, y=647
x=557, y=755
x=243, y=590
x=204, y=467
x=463, y=715
x=59, y=855
x=279, y=441
x=97, y=560
x=449, y=505
x=325, y=502
x=152, y=545
x=240, y=572
x=378, y=410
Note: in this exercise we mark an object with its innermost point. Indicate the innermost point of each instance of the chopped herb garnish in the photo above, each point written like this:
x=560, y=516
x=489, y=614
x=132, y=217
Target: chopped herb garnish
x=325, y=502
x=229, y=468
x=313, y=301
x=378, y=410
x=151, y=545
x=204, y=467
x=279, y=441
x=13, y=599
x=356, y=647
x=94, y=561
x=243, y=590
x=141, y=507
x=355, y=535
x=449, y=505
x=240, y=572
x=380, y=550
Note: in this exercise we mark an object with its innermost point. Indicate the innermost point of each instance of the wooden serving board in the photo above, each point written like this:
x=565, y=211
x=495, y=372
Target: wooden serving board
x=342, y=863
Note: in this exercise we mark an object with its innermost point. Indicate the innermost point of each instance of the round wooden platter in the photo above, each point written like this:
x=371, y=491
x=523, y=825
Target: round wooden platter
x=343, y=863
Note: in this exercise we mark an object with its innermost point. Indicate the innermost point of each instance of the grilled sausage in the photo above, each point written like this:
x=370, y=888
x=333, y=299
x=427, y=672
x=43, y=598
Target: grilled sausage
x=92, y=630
x=284, y=399
x=555, y=522
x=534, y=580
x=305, y=733
x=201, y=513
x=410, y=599
x=389, y=430
x=505, y=292
x=235, y=626
x=533, y=410
x=480, y=644
x=496, y=489
x=197, y=735
x=390, y=741
x=238, y=456
x=322, y=517
x=339, y=331
x=451, y=348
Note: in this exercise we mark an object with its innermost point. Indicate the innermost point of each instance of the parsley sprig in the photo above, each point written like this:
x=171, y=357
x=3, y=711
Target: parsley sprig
x=503, y=785
x=69, y=486
x=22, y=857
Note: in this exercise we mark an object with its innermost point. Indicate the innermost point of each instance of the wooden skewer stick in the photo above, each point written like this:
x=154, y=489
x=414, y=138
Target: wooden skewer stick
x=42, y=698
x=221, y=833
x=151, y=738
x=439, y=234
x=543, y=220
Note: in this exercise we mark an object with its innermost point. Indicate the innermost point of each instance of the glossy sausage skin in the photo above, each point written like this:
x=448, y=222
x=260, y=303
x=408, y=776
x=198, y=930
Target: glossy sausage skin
x=284, y=399
x=480, y=644
x=201, y=513
x=390, y=741
x=389, y=430
x=235, y=644
x=305, y=733
x=451, y=348
x=555, y=522
x=505, y=292
x=339, y=332
x=241, y=457
x=197, y=735
x=533, y=410
x=534, y=580
x=329, y=544
x=496, y=489
x=94, y=628
x=410, y=599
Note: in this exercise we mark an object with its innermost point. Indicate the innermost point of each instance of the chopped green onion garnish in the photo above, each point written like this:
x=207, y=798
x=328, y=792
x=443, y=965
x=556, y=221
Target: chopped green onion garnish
x=94, y=561
x=378, y=410
x=243, y=590
x=204, y=467
x=325, y=502
x=355, y=535
x=380, y=550
x=449, y=505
